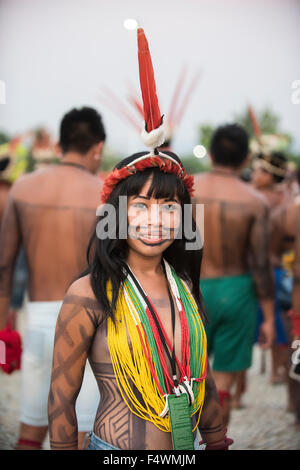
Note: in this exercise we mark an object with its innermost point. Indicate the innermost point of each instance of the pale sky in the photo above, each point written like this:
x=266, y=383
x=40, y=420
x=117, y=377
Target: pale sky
x=56, y=54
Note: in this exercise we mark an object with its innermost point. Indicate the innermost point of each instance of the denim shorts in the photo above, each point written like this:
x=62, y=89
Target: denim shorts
x=97, y=444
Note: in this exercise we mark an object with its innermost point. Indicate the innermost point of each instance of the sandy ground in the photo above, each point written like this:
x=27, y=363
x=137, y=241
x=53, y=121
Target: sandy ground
x=263, y=423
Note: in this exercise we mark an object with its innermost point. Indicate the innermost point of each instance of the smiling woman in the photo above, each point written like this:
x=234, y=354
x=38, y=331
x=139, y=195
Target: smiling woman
x=137, y=314
x=153, y=222
x=154, y=225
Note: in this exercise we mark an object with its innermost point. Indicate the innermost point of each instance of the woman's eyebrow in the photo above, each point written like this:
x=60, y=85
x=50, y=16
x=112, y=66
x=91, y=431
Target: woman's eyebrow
x=171, y=200
x=148, y=197
x=142, y=197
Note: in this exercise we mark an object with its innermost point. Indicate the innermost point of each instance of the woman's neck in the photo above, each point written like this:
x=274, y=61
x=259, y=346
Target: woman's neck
x=144, y=265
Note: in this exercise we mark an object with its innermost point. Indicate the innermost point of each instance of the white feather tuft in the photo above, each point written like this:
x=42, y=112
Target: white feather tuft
x=155, y=138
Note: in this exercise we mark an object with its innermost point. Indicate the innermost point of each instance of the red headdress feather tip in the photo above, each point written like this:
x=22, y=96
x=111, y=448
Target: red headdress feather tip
x=255, y=123
x=154, y=135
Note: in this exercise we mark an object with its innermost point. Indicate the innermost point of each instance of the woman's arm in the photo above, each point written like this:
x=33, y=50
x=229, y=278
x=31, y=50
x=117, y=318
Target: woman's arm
x=74, y=333
x=211, y=425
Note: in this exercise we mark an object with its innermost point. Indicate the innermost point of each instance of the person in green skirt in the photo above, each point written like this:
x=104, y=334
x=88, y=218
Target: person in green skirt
x=236, y=272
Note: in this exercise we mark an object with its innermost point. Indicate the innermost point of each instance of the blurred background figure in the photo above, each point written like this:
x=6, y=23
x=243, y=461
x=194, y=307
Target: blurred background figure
x=43, y=150
x=268, y=177
x=4, y=184
x=235, y=268
x=269, y=171
x=285, y=229
x=14, y=162
x=51, y=213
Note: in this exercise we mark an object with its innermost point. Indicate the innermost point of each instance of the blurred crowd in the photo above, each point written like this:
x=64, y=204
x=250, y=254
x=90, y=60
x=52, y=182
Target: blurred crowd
x=270, y=180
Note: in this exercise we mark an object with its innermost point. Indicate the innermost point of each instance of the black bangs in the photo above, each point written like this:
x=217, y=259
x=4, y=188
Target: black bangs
x=166, y=186
x=163, y=185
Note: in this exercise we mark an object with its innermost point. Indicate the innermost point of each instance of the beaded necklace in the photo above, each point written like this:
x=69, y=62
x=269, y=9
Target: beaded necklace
x=136, y=345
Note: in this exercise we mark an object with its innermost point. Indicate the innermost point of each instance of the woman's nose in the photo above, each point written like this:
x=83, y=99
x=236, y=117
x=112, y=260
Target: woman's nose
x=154, y=215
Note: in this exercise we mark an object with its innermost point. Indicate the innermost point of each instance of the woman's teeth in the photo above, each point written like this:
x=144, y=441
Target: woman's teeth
x=151, y=238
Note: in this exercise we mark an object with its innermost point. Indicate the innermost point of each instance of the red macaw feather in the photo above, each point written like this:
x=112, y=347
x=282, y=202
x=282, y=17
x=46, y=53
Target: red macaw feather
x=116, y=105
x=134, y=99
x=152, y=114
x=255, y=123
x=136, y=104
x=186, y=99
x=174, y=100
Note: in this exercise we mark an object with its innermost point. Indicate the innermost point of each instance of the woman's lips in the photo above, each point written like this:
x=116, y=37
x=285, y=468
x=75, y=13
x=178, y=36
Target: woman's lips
x=153, y=240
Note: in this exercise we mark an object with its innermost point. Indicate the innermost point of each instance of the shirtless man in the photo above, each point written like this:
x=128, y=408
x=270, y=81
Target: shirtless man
x=268, y=178
x=236, y=237
x=51, y=212
x=285, y=250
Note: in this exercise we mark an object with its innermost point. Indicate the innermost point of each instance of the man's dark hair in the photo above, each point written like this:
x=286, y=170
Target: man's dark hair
x=80, y=129
x=229, y=145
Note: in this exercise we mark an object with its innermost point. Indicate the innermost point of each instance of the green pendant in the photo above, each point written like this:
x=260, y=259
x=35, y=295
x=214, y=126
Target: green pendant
x=181, y=423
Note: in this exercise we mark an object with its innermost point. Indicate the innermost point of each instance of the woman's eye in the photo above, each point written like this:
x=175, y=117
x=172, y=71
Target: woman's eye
x=139, y=205
x=170, y=207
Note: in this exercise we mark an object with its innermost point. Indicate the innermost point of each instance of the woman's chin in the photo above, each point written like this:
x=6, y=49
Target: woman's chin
x=151, y=247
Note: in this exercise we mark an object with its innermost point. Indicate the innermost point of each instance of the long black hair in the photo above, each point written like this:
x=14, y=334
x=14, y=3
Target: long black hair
x=107, y=257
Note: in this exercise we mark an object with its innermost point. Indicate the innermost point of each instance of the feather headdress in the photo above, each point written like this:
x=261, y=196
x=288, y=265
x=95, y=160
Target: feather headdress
x=152, y=135
x=178, y=104
x=265, y=149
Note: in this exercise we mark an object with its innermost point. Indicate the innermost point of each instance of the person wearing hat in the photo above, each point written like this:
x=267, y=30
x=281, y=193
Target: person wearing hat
x=269, y=170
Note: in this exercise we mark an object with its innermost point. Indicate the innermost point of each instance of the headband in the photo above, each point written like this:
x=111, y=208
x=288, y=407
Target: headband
x=164, y=162
x=267, y=162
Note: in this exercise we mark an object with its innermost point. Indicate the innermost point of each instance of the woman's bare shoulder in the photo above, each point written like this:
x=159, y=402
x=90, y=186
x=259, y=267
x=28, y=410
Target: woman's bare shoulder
x=80, y=293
